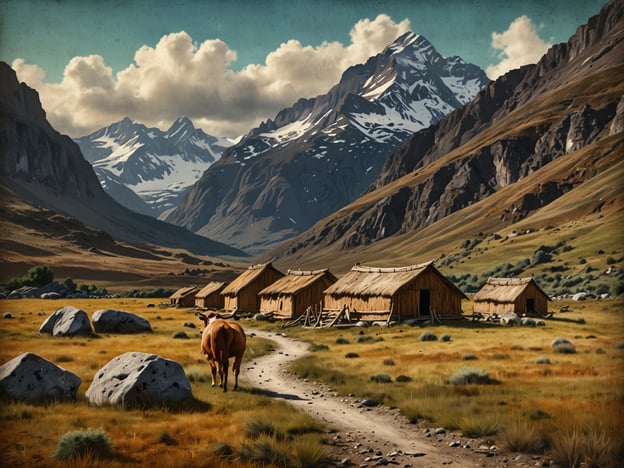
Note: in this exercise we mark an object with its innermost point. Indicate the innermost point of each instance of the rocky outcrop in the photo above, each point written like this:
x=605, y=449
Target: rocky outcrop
x=67, y=321
x=139, y=380
x=119, y=321
x=31, y=378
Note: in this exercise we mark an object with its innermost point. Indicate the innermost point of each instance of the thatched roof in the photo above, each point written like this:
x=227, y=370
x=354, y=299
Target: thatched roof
x=183, y=292
x=211, y=288
x=371, y=281
x=504, y=290
x=247, y=277
x=296, y=280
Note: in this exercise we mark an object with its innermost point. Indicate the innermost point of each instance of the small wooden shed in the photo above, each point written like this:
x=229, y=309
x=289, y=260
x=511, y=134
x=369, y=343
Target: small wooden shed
x=210, y=296
x=395, y=294
x=290, y=296
x=520, y=295
x=242, y=293
x=184, y=297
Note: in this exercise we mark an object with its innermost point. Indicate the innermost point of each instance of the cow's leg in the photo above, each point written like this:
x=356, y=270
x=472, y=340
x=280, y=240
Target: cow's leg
x=236, y=369
x=213, y=372
x=223, y=373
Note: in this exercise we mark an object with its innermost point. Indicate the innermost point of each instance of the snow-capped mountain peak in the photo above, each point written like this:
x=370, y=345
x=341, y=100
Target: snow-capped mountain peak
x=322, y=153
x=157, y=166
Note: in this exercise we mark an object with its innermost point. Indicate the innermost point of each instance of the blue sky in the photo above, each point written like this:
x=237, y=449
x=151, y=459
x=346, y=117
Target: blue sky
x=47, y=35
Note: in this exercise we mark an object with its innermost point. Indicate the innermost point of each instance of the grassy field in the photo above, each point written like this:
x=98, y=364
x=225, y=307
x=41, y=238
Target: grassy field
x=569, y=404
x=157, y=437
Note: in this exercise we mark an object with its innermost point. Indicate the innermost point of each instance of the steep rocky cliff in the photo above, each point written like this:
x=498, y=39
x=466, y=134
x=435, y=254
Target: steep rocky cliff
x=516, y=128
x=47, y=169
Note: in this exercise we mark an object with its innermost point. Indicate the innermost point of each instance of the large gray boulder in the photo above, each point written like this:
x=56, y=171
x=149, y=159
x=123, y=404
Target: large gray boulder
x=119, y=321
x=67, y=321
x=139, y=380
x=29, y=377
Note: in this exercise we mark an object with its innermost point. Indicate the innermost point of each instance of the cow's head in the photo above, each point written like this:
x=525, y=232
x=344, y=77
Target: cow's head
x=208, y=318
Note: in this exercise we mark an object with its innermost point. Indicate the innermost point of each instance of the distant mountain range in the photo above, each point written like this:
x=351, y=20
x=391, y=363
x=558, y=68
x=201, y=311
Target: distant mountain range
x=146, y=169
x=321, y=154
x=537, y=149
x=41, y=167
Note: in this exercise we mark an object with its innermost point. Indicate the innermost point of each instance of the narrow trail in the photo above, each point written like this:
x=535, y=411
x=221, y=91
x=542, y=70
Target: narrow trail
x=366, y=435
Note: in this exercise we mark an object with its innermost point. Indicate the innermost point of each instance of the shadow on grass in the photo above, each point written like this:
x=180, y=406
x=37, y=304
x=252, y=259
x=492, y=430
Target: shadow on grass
x=272, y=394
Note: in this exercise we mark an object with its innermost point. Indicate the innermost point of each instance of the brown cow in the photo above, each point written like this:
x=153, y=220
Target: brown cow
x=221, y=340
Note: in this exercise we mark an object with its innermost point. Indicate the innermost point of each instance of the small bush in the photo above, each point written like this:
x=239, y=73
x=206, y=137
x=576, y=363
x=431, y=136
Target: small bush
x=166, y=439
x=428, y=336
x=222, y=450
x=83, y=443
x=352, y=355
x=179, y=335
x=403, y=378
x=364, y=339
x=445, y=338
x=522, y=437
x=542, y=360
x=342, y=340
x=255, y=427
x=584, y=447
x=469, y=357
x=388, y=362
x=470, y=375
x=381, y=378
x=318, y=347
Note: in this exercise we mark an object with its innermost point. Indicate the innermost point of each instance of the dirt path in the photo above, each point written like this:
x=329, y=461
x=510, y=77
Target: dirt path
x=366, y=436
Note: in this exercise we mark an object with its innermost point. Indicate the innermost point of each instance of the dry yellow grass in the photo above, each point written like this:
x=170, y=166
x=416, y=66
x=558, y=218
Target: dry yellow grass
x=30, y=432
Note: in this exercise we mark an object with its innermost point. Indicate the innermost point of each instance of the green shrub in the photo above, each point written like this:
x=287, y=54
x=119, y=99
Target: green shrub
x=352, y=355
x=381, y=378
x=403, y=378
x=83, y=443
x=445, y=338
x=542, y=360
x=342, y=340
x=318, y=347
x=428, y=336
x=179, y=335
x=470, y=375
x=469, y=357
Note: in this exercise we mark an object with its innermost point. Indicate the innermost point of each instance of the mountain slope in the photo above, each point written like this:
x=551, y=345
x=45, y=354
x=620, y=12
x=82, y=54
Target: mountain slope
x=323, y=153
x=533, y=137
x=45, y=168
x=146, y=169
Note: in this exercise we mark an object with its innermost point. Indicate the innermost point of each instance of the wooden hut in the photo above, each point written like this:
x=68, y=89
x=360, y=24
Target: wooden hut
x=184, y=297
x=520, y=295
x=290, y=296
x=395, y=294
x=242, y=293
x=210, y=296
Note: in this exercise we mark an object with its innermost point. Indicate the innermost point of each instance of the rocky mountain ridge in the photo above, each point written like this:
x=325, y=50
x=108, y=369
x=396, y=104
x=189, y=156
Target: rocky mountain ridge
x=47, y=169
x=147, y=169
x=322, y=153
x=516, y=127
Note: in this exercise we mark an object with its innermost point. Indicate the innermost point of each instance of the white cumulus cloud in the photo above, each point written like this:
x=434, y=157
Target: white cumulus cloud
x=518, y=45
x=178, y=77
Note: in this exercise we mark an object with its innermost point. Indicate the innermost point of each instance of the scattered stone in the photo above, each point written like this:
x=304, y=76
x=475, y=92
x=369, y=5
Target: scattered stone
x=7, y=315
x=509, y=319
x=369, y=403
x=29, y=377
x=139, y=380
x=119, y=321
x=67, y=321
x=455, y=443
x=189, y=325
x=439, y=430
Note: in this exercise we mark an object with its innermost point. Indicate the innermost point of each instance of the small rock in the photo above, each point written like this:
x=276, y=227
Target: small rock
x=455, y=443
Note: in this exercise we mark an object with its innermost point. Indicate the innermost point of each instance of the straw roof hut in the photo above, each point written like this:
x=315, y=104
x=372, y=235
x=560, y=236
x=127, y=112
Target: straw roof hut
x=210, y=295
x=519, y=295
x=395, y=293
x=242, y=293
x=290, y=296
x=184, y=296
